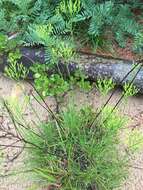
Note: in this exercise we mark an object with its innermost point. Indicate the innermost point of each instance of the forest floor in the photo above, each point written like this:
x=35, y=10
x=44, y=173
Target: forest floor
x=133, y=109
x=112, y=49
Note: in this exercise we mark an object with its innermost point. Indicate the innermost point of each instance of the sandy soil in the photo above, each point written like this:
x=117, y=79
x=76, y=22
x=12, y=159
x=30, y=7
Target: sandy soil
x=133, y=108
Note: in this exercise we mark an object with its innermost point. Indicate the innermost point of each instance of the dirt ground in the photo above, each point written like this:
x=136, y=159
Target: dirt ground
x=133, y=108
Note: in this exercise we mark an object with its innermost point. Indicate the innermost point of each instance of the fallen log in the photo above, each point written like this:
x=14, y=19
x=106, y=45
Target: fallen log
x=93, y=66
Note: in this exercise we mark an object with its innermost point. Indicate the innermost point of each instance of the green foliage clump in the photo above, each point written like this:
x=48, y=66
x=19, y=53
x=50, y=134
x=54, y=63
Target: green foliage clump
x=57, y=84
x=105, y=85
x=70, y=154
x=16, y=70
x=138, y=42
x=51, y=86
x=130, y=90
x=71, y=18
x=79, y=79
x=7, y=45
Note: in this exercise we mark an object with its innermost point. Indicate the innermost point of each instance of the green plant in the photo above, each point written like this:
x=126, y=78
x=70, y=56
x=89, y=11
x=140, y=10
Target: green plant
x=70, y=8
x=66, y=153
x=7, y=45
x=130, y=90
x=104, y=85
x=56, y=48
x=15, y=70
x=138, y=42
x=54, y=85
x=64, y=50
x=80, y=79
x=3, y=42
x=57, y=84
x=67, y=17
